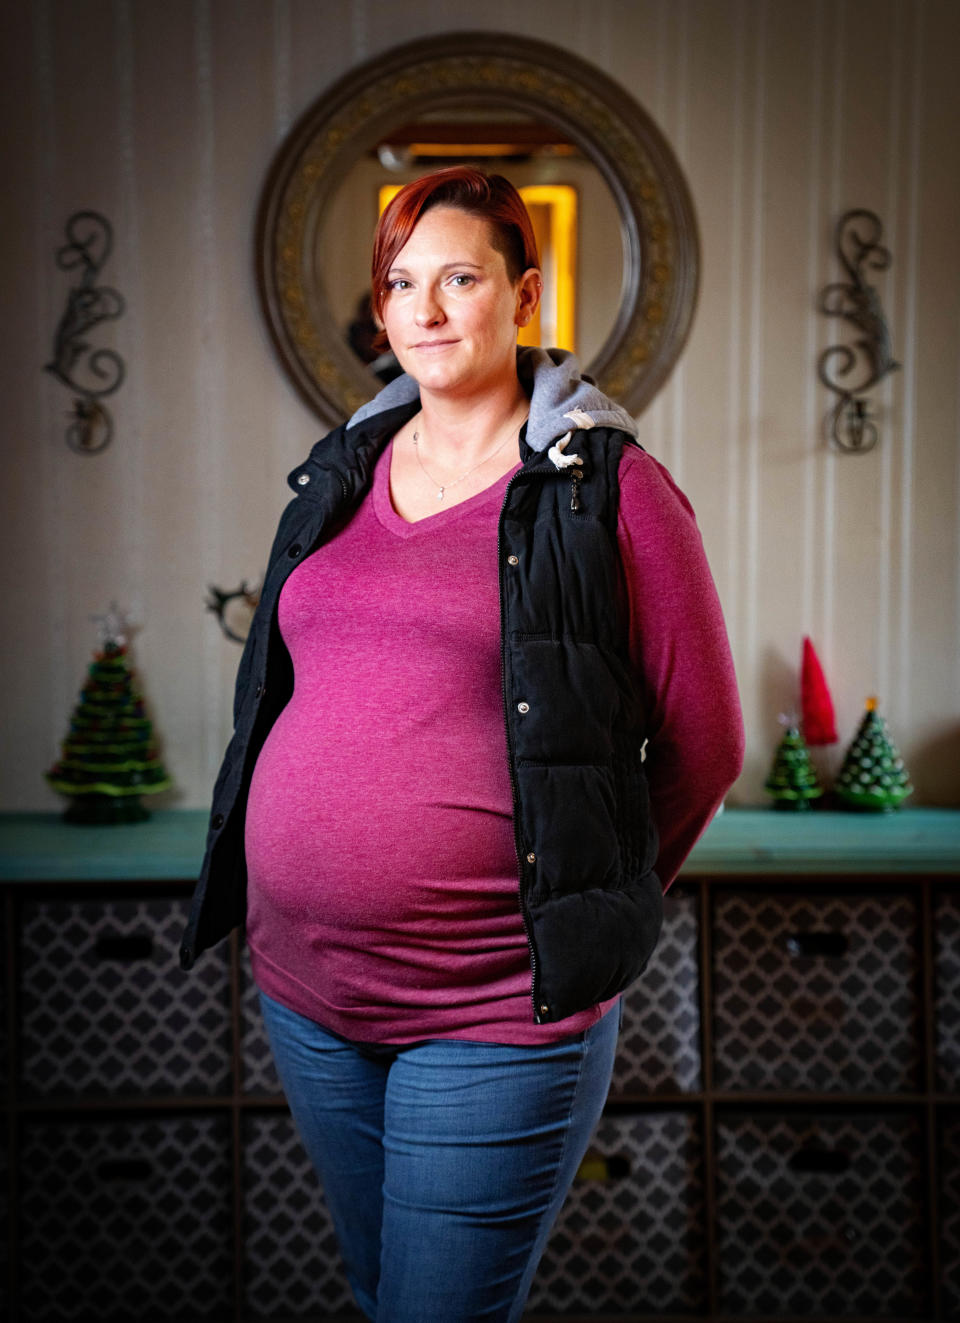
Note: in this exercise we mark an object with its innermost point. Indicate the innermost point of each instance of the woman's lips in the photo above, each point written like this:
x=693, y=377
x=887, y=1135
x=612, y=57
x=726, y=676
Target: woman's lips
x=428, y=346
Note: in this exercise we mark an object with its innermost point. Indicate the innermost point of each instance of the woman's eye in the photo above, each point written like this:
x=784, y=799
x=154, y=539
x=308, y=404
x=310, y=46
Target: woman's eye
x=397, y=284
x=462, y=281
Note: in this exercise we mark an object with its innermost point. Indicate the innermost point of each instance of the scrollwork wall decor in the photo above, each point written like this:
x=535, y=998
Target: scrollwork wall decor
x=101, y=371
x=219, y=602
x=858, y=246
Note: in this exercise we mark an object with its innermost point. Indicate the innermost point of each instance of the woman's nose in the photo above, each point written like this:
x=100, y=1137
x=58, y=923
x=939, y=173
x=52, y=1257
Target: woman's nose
x=428, y=310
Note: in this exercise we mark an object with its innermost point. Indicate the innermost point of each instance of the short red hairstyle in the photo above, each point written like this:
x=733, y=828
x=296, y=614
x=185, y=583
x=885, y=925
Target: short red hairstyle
x=468, y=189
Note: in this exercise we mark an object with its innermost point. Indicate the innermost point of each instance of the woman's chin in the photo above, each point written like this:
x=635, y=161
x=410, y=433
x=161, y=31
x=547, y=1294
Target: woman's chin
x=437, y=376
x=451, y=378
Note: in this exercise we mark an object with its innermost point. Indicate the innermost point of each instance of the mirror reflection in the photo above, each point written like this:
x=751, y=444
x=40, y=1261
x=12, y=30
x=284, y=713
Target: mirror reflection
x=619, y=235
x=574, y=214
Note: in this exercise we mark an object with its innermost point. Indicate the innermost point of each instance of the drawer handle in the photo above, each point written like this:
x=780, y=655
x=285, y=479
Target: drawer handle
x=125, y=1169
x=818, y=944
x=123, y=946
x=596, y=1167
x=823, y=1161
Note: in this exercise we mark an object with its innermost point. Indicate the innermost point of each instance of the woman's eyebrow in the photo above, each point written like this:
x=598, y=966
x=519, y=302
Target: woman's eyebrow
x=447, y=266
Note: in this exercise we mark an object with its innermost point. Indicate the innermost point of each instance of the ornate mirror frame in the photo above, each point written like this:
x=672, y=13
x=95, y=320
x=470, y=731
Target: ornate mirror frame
x=503, y=72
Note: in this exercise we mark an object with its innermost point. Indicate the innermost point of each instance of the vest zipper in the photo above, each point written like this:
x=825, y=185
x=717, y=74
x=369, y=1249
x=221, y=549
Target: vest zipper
x=534, y=970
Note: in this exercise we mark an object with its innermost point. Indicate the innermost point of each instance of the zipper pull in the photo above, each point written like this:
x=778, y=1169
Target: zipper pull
x=576, y=477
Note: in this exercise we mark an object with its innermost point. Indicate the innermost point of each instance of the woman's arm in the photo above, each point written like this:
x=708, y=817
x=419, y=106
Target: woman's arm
x=681, y=657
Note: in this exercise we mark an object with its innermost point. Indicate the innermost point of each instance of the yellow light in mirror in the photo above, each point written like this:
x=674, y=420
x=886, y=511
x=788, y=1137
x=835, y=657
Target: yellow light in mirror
x=502, y=150
x=553, y=213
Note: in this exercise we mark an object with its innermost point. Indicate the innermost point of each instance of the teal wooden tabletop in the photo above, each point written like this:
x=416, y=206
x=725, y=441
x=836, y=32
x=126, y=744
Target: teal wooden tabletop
x=169, y=845
x=766, y=840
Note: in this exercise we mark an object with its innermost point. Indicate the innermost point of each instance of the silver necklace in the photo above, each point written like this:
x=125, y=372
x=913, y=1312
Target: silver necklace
x=442, y=488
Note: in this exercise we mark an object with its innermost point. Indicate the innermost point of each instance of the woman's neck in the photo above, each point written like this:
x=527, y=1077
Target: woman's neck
x=464, y=429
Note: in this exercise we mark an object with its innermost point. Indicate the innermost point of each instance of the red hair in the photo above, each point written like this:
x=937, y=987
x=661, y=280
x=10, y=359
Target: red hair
x=468, y=189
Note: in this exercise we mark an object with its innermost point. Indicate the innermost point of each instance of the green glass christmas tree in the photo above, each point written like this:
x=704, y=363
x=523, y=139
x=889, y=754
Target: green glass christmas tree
x=108, y=758
x=873, y=775
x=793, y=779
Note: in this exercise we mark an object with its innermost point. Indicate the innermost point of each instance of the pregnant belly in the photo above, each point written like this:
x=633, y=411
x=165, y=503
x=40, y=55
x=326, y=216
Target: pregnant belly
x=353, y=843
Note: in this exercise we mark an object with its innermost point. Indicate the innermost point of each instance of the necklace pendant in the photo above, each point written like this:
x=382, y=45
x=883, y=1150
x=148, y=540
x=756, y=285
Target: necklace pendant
x=440, y=494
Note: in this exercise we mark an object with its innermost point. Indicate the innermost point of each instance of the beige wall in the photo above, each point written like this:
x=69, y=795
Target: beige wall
x=165, y=116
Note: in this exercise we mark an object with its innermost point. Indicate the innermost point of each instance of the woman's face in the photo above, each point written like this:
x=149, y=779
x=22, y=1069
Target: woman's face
x=451, y=311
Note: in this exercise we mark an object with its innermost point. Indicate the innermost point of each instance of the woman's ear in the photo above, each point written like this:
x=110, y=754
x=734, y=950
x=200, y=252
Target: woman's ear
x=529, y=289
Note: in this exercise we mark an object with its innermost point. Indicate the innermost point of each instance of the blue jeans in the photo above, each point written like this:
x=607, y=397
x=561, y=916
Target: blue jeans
x=444, y=1163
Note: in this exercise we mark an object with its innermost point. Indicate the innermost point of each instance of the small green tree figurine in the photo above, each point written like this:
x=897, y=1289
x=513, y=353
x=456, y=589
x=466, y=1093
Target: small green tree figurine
x=793, y=779
x=873, y=775
x=108, y=759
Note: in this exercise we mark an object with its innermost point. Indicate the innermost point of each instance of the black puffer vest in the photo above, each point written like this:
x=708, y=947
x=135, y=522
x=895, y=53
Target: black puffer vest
x=591, y=902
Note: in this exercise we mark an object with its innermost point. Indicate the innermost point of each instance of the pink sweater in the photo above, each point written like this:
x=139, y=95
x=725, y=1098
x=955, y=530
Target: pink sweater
x=382, y=891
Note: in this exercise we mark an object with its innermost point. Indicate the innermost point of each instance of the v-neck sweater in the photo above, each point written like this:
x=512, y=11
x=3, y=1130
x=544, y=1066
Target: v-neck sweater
x=382, y=896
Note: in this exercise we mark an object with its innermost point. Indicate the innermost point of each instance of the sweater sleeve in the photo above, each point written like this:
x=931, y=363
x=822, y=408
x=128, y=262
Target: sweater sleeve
x=681, y=659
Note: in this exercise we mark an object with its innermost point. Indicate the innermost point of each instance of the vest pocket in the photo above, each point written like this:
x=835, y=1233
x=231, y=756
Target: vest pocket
x=571, y=700
x=568, y=822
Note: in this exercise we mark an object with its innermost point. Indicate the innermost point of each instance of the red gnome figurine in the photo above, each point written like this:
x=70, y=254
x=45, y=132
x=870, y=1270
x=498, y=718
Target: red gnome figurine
x=818, y=719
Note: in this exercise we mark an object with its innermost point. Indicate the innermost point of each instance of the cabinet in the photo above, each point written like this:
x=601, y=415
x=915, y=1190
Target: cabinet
x=781, y=1141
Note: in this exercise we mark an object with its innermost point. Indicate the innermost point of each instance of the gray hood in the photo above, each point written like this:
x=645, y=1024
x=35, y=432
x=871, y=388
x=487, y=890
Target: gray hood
x=562, y=399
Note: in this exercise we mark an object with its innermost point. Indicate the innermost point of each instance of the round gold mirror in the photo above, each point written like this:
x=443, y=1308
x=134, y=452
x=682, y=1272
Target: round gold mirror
x=611, y=208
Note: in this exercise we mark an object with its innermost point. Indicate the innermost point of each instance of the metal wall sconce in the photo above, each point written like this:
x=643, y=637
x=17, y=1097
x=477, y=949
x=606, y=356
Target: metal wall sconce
x=89, y=240
x=858, y=245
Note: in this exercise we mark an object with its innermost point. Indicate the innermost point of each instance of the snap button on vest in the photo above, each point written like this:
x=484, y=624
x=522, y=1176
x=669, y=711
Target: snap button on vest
x=217, y=820
x=523, y=707
x=303, y=479
x=294, y=551
x=531, y=858
x=513, y=560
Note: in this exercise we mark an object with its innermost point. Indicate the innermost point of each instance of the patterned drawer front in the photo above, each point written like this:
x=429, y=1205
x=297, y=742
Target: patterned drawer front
x=946, y=939
x=629, y=1240
x=820, y=1214
x=125, y=1220
x=659, y=1049
x=292, y=1265
x=815, y=991
x=259, y=1073
x=106, y=1008
x=948, y=1150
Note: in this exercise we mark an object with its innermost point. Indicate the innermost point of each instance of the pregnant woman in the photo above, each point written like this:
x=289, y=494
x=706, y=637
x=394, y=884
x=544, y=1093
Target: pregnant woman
x=486, y=708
